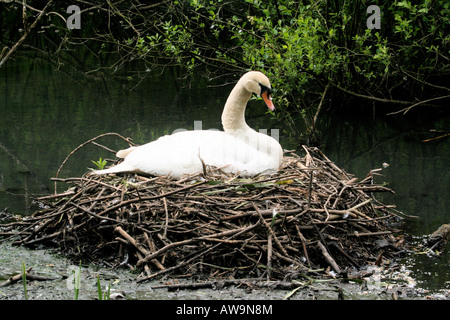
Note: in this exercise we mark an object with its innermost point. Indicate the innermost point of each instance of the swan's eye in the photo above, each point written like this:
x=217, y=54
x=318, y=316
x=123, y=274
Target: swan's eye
x=265, y=89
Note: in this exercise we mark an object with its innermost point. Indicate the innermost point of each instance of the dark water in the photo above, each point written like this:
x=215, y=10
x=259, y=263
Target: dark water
x=46, y=113
x=417, y=172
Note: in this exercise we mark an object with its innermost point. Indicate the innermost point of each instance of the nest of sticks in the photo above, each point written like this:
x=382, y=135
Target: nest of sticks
x=310, y=217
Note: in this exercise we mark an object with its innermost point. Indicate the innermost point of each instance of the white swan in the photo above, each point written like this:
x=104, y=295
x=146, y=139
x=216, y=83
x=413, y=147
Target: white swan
x=238, y=149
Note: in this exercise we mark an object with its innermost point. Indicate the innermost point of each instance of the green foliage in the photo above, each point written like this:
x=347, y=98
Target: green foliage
x=102, y=295
x=77, y=282
x=101, y=163
x=306, y=47
x=318, y=54
x=24, y=280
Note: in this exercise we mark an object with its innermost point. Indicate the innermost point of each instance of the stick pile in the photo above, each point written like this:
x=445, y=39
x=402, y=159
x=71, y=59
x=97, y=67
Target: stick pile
x=310, y=217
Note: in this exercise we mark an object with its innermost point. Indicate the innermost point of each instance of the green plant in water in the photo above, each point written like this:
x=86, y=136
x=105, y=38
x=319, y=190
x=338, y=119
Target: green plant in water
x=101, y=163
x=275, y=215
x=102, y=296
x=24, y=280
x=77, y=281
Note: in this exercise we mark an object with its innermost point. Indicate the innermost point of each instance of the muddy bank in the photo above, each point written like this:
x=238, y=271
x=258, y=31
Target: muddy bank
x=380, y=285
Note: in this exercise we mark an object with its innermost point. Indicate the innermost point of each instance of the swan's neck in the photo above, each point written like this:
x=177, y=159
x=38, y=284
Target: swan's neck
x=233, y=116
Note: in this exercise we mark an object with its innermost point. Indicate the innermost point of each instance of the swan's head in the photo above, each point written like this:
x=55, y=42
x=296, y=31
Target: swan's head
x=257, y=83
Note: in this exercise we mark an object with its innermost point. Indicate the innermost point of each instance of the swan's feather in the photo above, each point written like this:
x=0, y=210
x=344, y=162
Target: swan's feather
x=183, y=152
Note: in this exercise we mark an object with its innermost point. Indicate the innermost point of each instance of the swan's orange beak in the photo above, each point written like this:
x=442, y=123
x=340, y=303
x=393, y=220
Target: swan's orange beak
x=268, y=100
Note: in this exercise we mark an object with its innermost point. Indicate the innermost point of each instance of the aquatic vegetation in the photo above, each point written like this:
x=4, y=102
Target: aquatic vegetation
x=77, y=281
x=103, y=295
x=100, y=163
x=24, y=280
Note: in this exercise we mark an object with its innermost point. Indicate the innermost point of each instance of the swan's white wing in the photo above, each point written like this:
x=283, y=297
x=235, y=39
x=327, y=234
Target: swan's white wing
x=180, y=154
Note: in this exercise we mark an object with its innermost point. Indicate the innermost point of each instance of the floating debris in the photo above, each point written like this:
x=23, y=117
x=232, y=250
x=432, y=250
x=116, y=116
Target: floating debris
x=437, y=241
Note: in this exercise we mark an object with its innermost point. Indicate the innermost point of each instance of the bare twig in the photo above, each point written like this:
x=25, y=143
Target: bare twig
x=25, y=33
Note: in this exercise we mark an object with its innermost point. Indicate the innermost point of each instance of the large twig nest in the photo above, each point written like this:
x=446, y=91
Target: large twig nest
x=311, y=215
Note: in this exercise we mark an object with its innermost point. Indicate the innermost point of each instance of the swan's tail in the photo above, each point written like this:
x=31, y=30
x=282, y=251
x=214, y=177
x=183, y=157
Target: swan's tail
x=121, y=167
x=125, y=152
